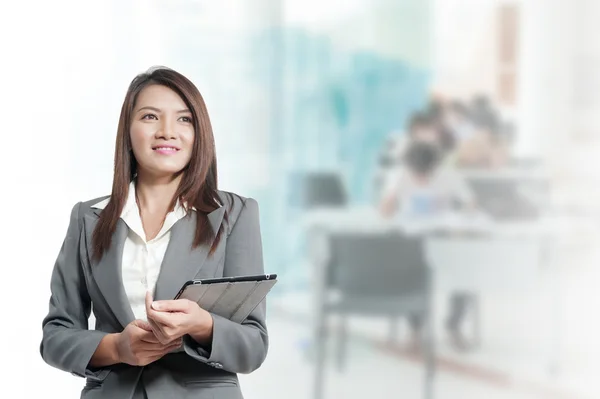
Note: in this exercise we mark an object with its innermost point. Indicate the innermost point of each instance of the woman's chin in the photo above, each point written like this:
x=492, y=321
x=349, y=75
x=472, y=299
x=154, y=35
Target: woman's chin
x=162, y=171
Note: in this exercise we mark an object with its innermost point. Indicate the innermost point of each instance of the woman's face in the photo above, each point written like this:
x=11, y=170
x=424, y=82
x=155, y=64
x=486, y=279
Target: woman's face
x=162, y=132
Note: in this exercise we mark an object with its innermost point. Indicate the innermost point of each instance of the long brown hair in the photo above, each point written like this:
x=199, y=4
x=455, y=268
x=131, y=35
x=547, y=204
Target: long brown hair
x=198, y=187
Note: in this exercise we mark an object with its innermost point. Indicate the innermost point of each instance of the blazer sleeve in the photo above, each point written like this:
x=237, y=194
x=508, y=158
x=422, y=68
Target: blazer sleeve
x=67, y=344
x=238, y=348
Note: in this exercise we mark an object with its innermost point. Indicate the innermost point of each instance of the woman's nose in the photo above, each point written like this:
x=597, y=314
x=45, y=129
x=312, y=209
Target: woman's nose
x=167, y=130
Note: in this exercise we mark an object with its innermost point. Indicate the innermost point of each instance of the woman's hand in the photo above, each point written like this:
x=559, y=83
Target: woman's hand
x=137, y=345
x=173, y=319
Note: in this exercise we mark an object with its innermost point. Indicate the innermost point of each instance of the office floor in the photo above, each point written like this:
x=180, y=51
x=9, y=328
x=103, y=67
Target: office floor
x=522, y=354
x=370, y=373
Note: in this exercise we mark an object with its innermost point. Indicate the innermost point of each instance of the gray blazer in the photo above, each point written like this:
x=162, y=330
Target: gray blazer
x=80, y=285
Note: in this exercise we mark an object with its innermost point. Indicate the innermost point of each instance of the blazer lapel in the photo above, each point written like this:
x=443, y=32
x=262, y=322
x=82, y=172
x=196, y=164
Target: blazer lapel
x=181, y=263
x=107, y=272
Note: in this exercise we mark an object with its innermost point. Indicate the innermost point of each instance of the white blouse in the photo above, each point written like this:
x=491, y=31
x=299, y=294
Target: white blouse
x=142, y=259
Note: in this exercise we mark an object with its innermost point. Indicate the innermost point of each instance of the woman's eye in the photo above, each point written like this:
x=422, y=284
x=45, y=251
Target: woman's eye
x=186, y=119
x=149, y=116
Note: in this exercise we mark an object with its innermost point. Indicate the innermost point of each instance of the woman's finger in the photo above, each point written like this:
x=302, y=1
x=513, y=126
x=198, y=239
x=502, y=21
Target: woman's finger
x=159, y=348
x=157, y=330
x=149, y=338
x=163, y=333
x=155, y=354
x=153, y=350
x=160, y=317
x=143, y=324
x=152, y=313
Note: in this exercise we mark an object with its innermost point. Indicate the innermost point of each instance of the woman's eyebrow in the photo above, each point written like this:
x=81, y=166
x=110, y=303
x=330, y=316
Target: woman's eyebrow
x=158, y=110
x=149, y=108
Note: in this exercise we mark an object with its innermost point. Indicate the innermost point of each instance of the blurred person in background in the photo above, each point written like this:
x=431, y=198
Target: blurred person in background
x=423, y=187
x=484, y=149
x=421, y=163
x=422, y=127
x=457, y=120
x=436, y=112
x=425, y=127
x=483, y=111
x=486, y=146
x=126, y=256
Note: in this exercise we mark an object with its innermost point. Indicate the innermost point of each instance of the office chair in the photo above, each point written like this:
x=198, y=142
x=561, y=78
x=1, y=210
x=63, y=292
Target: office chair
x=322, y=190
x=382, y=274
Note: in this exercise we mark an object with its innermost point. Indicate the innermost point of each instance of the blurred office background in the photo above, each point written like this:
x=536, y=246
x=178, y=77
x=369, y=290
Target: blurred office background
x=315, y=105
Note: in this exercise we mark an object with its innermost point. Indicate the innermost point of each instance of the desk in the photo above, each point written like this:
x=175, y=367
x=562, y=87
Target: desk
x=367, y=218
x=471, y=253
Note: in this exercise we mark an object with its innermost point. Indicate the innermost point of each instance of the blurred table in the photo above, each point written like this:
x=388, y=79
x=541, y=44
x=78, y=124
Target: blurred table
x=367, y=218
x=466, y=252
x=470, y=252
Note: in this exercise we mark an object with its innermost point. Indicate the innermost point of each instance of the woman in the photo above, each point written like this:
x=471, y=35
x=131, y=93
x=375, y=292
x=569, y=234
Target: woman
x=126, y=256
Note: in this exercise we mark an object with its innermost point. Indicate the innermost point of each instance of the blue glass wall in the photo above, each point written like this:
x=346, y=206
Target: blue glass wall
x=332, y=109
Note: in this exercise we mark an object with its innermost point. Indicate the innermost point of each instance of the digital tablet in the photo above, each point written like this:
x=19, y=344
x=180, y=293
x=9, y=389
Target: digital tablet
x=217, y=280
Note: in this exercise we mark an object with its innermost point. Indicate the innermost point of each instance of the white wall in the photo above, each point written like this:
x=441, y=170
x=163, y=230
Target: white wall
x=463, y=47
